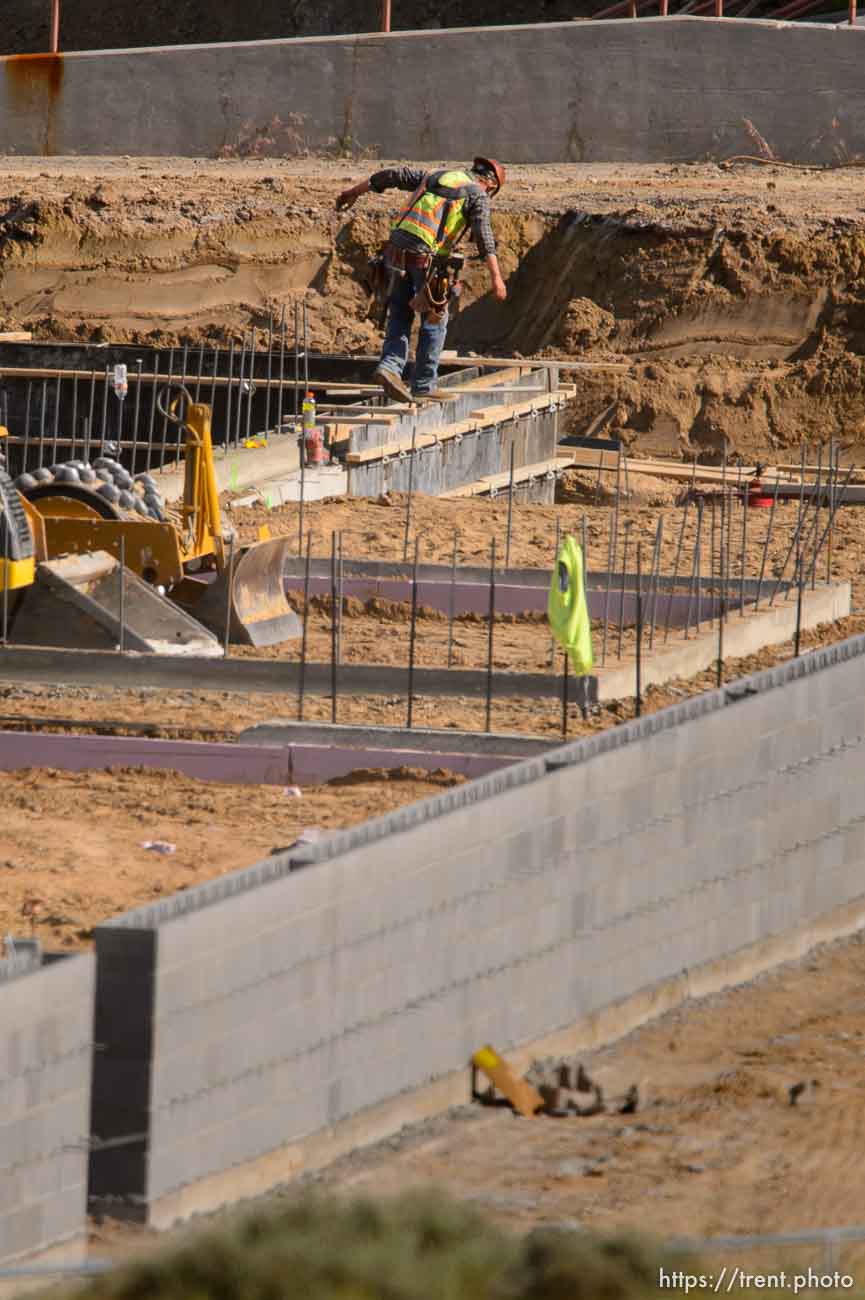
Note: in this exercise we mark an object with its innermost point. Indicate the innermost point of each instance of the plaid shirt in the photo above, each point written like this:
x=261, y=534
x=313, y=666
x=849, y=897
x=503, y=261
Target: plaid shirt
x=477, y=208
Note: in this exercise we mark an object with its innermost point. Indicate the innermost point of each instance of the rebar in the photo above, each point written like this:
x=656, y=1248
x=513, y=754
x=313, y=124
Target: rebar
x=695, y=568
x=25, y=465
x=564, y=694
x=639, y=629
x=333, y=628
x=251, y=382
x=269, y=372
x=74, y=413
x=765, y=554
x=817, y=510
x=136, y=412
x=412, y=635
x=555, y=562
x=56, y=433
x=676, y=563
x=451, y=598
x=744, y=501
x=122, y=593
x=226, y=643
x=510, y=510
x=240, y=381
x=305, y=345
x=152, y=422
x=492, y=623
x=656, y=578
x=6, y=557
x=301, y=680
x=722, y=618
x=834, y=470
x=612, y=550
x=281, y=368
x=628, y=526
x=42, y=422
x=410, y=488
x=199, y=376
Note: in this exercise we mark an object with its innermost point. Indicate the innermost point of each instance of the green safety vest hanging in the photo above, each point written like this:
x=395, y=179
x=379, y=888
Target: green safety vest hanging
x=435, y=213
x=567, y=610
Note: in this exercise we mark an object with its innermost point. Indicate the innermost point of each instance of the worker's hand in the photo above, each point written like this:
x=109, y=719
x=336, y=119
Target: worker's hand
x=499, y=289
x=347, y=199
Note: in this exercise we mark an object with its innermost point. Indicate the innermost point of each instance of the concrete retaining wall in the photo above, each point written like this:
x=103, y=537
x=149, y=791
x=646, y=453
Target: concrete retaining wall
x=649, y=90
x=46, y=1045
x=290, y=999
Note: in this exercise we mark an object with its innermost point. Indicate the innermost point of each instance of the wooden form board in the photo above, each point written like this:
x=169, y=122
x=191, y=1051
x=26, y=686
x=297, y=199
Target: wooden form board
x=524, y=474
x=480, y=419
x=15, y=336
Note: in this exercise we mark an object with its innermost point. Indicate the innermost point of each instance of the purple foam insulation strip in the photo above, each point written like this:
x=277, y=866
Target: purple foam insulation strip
x=232, y=764
x=473, y=598
x=238, y=764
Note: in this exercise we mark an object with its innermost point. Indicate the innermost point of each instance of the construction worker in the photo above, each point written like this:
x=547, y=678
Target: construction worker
x=443, y=205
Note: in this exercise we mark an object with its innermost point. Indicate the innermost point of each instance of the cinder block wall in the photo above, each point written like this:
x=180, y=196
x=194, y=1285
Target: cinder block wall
x=46, y=1047
x=294, y=995
x=649, y=90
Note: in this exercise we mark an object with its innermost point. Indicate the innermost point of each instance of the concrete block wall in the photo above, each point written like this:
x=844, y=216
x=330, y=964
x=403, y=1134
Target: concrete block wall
x=287, y=998
x=46, y=1047
x=648, y=90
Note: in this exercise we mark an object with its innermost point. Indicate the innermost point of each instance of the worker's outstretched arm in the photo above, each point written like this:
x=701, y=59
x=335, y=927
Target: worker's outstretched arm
x=497, y=284
x=348, y=198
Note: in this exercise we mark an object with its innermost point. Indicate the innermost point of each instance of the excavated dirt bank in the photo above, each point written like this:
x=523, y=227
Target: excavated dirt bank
x=736, y=294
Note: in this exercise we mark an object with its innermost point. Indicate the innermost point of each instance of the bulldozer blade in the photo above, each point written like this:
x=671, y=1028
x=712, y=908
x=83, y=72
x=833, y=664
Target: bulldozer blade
x=257, y=610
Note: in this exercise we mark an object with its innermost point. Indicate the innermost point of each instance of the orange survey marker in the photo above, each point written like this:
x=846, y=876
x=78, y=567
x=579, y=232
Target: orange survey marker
x=522, y=1096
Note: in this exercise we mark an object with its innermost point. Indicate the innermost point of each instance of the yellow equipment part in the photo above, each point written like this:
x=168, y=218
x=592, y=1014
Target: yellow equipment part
x=248, y=596
x=17, y=573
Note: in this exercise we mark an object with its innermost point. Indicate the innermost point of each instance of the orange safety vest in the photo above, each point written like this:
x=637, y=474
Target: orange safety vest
x=435, y=213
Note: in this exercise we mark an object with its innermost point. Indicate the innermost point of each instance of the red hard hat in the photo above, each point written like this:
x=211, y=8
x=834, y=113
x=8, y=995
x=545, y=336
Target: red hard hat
x=490, y=165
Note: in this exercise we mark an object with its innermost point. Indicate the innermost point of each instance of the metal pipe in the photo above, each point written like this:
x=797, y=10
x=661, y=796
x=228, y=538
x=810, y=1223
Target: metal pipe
x=385, y=15
x=412, y=633
x=54, y=45
x=851, y=13
x=492, y=620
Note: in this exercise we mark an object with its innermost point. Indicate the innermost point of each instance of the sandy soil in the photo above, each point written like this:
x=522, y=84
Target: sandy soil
x=71, y=843
x=735, y=292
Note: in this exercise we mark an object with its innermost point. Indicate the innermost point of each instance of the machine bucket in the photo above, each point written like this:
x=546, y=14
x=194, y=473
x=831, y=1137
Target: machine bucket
x=257, y=610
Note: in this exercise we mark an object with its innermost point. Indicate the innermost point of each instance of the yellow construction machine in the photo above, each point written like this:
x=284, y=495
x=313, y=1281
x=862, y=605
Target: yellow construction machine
x=227, y=588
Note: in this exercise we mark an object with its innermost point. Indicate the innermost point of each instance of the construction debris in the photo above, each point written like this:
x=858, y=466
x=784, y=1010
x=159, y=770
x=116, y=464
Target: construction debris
x=558, y=1087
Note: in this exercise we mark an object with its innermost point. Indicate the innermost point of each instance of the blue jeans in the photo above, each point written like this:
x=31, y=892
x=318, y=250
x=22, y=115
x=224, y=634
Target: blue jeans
x=431, y=340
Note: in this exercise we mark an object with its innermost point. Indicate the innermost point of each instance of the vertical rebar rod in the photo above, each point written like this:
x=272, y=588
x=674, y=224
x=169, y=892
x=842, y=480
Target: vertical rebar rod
x=800, y=515
x=301, y=680
x=333, y=629
x=165, y=416
x=564, y=694
x=297, y=366
x=28, y=398
x=492, y=624
x=817, y=510
x=136, y=414
x=92, y=408
x=834, y=469
x=410, y=489
x=812, y=533
x=42, y=411
x=722, y=618
x=122, y=592
x=510, y=510
x=699, y=562
x=184, y=364
x=712, y=522
x=797, y=642
x=724, y=557
x=555, y=562
x=675, y=570
x=104, y=426
x=305, y=343
x=743, y=497
x=412, y=635
x=251, y=382
x=764, y=557
x=151, y=423
x=213, y=384
x=339, y=590
x=269, y=373
x=226, y=641
x=656, y=577
x=628, y=527
x=74, y=423
x=694, y=568
x=451, y=598
x=240, y=381
x=229, y=395
x=56, y=433
x=612, y=548
x=6, y=556
x=584, y=547
x=200, y=374
x=281, y=368
x=639, y=622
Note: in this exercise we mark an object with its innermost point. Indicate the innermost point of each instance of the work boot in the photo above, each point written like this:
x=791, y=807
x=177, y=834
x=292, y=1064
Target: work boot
x=392, y=384
x=435, y=395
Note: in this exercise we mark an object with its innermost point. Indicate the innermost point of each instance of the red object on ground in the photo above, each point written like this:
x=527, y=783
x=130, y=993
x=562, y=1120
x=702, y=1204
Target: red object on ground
x=315, y=452
x=756, y=496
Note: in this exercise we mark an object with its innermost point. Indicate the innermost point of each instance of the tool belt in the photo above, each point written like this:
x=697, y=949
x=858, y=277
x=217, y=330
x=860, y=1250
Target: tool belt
x=441, y=280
